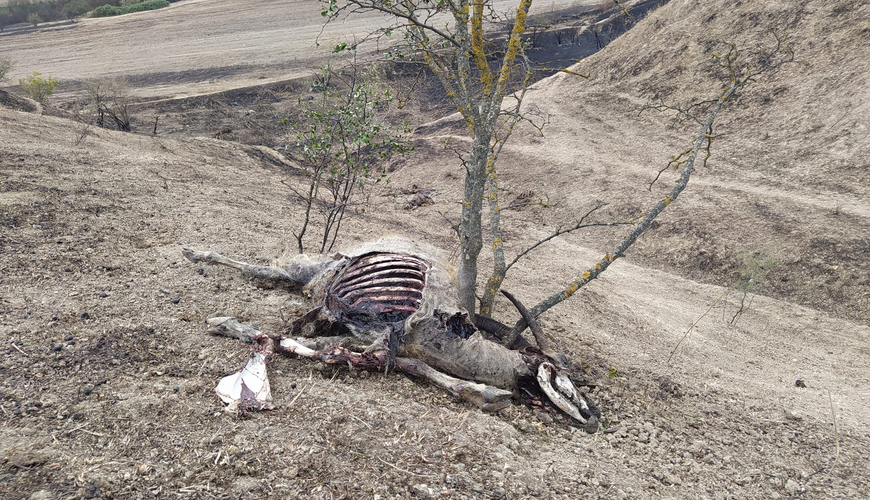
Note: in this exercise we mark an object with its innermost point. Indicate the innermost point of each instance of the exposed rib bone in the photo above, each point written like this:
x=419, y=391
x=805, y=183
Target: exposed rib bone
x=392, y=293
x=379, y=282
x=383, y=286
x=379, y=263
x=404, y=274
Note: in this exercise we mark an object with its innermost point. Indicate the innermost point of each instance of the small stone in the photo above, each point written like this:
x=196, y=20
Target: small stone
x=41, y=495
x=71, y=342
x=68, y=337
x=671, y=479
x=544, y=417
x=421, y=491
x=54, y=317
x=592, y=425
x=176, y=300
x=175, y=388
x=498, y=492
x=85, y=315
x=800, y=383
x=201, y=271
x=87, y=390
x=78, y=416
x=792, y=415
x=57, y=347
x=103, y=295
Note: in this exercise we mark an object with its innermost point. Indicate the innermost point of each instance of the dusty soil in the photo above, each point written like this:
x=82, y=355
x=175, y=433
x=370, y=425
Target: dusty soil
x=107, y=375
x=193, y=47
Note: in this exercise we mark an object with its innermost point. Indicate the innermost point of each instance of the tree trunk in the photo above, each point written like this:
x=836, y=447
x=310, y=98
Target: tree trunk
x=469, y=225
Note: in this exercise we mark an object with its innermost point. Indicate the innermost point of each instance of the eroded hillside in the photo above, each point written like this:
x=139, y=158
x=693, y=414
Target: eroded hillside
x=108, y=375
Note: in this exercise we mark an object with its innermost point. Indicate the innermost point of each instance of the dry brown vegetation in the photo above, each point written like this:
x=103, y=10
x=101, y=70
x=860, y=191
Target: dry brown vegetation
x=107, y=375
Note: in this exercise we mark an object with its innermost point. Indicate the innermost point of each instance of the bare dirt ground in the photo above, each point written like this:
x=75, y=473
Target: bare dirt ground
x=193, y=47
x=107, y=375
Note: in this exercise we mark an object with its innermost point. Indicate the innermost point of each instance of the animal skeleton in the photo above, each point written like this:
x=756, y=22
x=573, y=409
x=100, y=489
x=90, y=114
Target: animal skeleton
x=387, y=305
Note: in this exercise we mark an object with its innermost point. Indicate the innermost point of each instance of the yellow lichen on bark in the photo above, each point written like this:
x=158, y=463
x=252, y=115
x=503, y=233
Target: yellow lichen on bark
x=478, y=49
x=515, y=41
x=571, y=290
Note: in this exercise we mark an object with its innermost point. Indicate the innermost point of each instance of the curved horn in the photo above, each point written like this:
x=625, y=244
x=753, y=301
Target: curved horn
x=499, y=330
x=543, y=345
x=490, y=325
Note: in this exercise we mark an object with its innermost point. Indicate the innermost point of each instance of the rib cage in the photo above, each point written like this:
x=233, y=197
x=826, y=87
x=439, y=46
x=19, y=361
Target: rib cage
x=379, y=286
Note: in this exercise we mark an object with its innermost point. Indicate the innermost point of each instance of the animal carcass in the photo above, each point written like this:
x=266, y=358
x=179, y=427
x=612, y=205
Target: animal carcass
x=391, y=304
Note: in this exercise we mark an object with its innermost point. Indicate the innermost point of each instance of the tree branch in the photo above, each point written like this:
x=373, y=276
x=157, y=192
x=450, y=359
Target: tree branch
x=560, y=231
x=739, y=77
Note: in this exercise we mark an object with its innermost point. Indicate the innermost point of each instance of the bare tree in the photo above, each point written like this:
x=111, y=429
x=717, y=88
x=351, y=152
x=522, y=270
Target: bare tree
x=475, y=68
x=107, y=103
x=449, y=36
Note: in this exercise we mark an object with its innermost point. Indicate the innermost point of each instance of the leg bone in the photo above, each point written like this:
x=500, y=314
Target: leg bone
x=250, y=387
x=228, y=326
x=487, y=398
x=270, y=273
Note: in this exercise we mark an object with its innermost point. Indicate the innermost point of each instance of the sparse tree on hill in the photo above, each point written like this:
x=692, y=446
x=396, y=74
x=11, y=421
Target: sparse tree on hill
x=38, y=88
x=5, y=67
x=476, y=69
x=339, y=144
x=107, y=104
x=34, y=19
